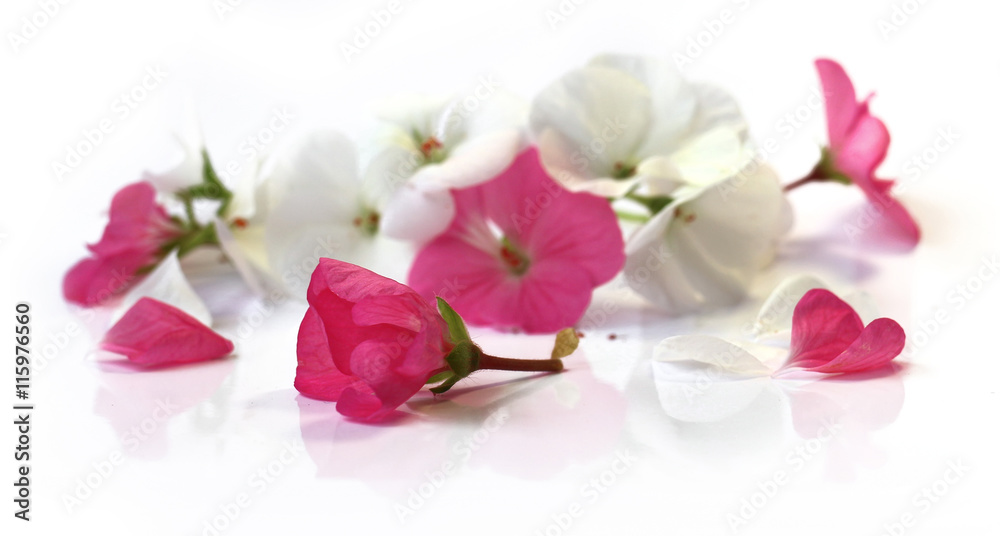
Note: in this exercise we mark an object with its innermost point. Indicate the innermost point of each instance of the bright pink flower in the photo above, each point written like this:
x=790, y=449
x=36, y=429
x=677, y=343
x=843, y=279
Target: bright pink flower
x=366, y=342
x=153, y=333
x=522, y=252
x=828, y=336
x=858, y=144
x=134, y=239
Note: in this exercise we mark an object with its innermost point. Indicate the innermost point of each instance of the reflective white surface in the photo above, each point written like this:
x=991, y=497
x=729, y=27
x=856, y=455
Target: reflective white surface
x=612, y=445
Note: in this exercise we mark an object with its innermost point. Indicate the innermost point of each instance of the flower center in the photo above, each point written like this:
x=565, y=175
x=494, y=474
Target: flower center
x=513, y=258
x=622, y=170
x=367, y=222
x=240, y=223
x=433, y=150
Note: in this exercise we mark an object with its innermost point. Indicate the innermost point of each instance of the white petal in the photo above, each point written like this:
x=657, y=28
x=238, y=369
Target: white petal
x=472, y=162
x=705, y=379
x=775, y=315
x=702, y=251
x=602, y=115
x=696, y=354
x=417, y=215
x=235, y=253
x=167, y=284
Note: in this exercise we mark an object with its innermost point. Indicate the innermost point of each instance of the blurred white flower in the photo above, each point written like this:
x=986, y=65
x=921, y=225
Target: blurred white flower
x=625, y=122
x=309, y=204
x=704, y=248
x=431, y=145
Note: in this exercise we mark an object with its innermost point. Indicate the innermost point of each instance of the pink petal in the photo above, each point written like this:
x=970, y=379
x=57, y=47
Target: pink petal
x=823, y=326
x=316, y=376
x=896, y=224
x=878, y=344
x=841, y=101
x=153, y=333
x=134, y=221
x=572, y=242
x=862, y=150
x=94, y=281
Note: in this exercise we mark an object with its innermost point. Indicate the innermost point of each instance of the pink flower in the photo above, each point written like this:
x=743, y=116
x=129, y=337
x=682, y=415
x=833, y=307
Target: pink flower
x=522, y=252
x=858, y=144
x=134, y=239
x=828, y=336
x=366, y=342
x=153, y=333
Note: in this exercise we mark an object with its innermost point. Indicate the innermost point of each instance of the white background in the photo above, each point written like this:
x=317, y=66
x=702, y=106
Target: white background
x=937, y=71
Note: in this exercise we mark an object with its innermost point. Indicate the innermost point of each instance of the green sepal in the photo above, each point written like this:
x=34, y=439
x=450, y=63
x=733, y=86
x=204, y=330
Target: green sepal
x=439, y=377
x=463, y=360
x=456, y=326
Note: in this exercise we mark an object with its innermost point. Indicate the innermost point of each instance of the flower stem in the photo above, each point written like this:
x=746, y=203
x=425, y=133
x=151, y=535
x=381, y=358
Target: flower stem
x=491, y=362
x=816, y=175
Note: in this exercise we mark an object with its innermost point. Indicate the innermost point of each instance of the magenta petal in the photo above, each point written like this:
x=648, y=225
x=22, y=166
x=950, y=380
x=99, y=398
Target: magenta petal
x=360, y=402
x=841, y=100
x=570, y=243
x=823, y=326
x=878, y=344
x=316, y=375
x=135, y=221
x=153, y=333
x=93, y=281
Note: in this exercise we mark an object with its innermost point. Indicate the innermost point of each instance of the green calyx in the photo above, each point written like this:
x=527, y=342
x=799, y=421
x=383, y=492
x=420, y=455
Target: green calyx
x=194, y=233
x=653, y=203
x=463, y=359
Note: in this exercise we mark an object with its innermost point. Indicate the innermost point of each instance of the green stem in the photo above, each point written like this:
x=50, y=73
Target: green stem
x=654, y=203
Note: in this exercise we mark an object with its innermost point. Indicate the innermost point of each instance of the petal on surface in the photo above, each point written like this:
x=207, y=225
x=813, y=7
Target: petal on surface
x=153, y=333
x=879, y=343
x=167, y=284
x=823, y=326
x=704, y=354
x=775, y=315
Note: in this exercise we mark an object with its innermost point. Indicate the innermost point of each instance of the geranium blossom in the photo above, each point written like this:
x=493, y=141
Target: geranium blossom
x=310, y=204
x=522, y=252
x=704, y=248
x=858, y=142
x=430, y=145
x=624, y=122
x=370, y=343
x=139, y=232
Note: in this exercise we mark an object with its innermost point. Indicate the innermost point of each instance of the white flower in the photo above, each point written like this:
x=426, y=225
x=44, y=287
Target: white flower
x=310, y=205
x=703, y=249
x=429, y=146
x=623, y=122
